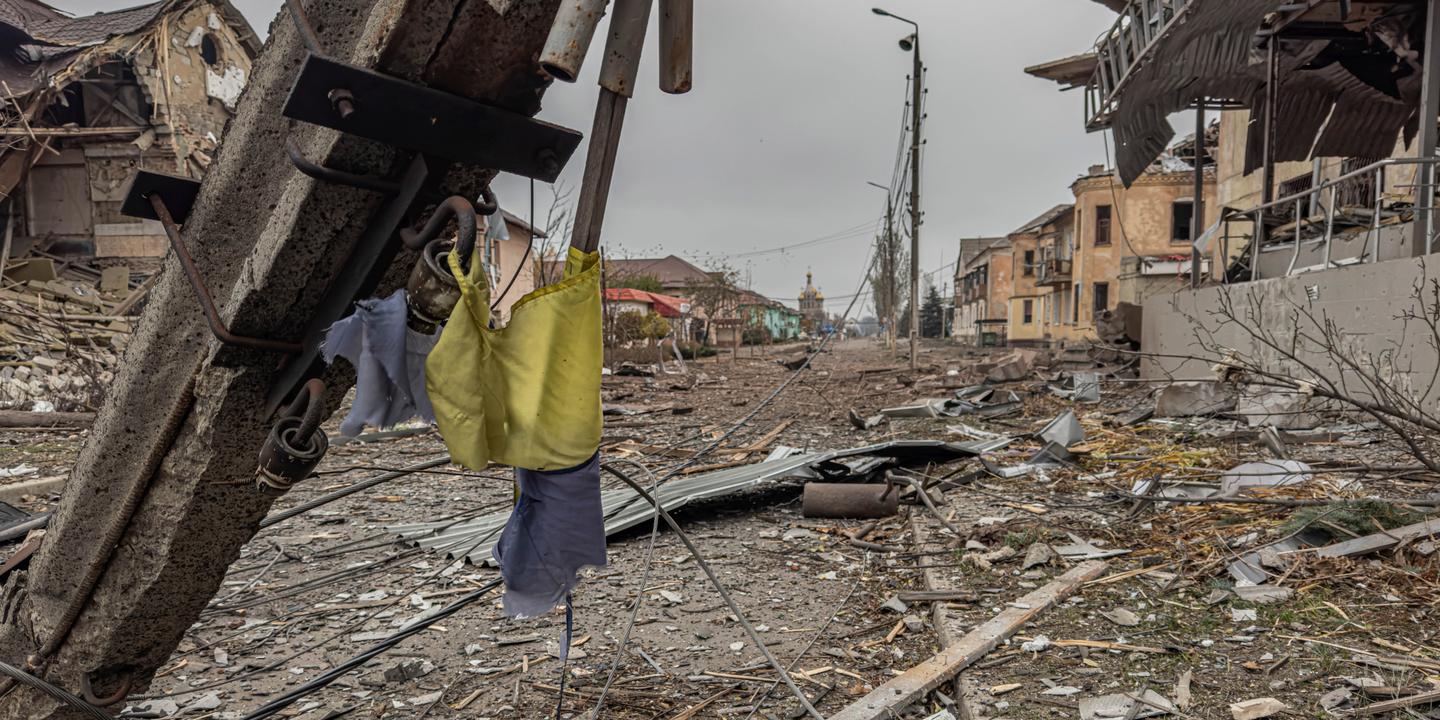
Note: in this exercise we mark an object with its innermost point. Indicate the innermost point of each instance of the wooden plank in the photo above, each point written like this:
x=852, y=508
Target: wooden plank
x=1380, y=541
x=1429, y=698
x=911, y=686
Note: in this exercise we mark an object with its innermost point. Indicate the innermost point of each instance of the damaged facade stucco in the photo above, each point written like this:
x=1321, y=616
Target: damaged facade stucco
x=156, y=96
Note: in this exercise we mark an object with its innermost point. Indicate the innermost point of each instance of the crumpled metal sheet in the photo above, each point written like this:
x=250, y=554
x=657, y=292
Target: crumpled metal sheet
x=624, y=508
x=1210, y=51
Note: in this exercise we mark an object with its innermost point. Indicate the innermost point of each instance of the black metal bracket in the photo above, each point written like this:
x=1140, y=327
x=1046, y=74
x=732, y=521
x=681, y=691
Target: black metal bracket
x=176, y=191
x=403, y=114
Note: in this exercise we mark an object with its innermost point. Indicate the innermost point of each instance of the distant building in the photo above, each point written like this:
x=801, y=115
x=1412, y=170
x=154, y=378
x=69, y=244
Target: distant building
x=675, y=309
x=779, y=322
x=812, y=305
x=509, y=248
x=982, y=290
x=675, y=275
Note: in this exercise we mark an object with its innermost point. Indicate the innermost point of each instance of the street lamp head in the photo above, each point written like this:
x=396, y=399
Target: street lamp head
x=907, y=43
x=879, y=11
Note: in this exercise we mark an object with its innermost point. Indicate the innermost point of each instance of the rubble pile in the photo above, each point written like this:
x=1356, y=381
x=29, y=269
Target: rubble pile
x=1041, y=543
x=62, y=329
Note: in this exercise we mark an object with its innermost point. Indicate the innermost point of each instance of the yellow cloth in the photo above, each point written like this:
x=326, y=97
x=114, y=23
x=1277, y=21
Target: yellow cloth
x=528, y=394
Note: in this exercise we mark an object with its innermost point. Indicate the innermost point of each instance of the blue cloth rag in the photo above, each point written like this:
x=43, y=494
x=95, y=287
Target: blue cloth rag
x=389, y=360
x=556, y=529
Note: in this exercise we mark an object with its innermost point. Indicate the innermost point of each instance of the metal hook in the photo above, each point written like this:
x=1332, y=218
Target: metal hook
x=328, y=174
x=463, y=212
x=307, y=405
x=88, y=692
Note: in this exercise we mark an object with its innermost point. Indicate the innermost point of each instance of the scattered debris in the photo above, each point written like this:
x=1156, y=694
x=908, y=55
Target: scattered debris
x=1196, y=398
x=1257, y=708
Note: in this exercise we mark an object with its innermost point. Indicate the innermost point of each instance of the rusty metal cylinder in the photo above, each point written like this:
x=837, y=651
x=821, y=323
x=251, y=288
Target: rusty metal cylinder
x=677, y=44
x=570, y=37
x=849, y=500
x=622, y=47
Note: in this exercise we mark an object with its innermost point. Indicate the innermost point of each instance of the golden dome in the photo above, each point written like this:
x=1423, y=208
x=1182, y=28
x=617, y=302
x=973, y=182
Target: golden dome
x=810, y=292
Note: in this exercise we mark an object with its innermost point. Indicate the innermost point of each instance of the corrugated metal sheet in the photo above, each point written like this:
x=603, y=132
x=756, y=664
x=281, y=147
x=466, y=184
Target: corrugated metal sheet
x=624, y=509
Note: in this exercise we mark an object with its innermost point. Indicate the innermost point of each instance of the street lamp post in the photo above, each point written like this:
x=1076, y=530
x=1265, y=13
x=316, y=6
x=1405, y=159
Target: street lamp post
x=888, y=269
x=912, y=43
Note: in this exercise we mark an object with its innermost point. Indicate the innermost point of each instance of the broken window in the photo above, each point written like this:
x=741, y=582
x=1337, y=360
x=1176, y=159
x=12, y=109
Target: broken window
x=1075, y=307
x=1029, y=311
x=1182, y=212
x=1102, y=297
x=210, y=50
x=1102, y=224
x=1029, y=268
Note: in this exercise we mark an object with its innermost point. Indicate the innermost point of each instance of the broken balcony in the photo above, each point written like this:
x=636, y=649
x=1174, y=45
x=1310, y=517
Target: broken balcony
x=1053, y=271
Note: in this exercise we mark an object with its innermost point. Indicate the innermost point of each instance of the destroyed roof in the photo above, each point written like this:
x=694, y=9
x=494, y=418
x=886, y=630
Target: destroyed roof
x=1351, y=83
x=670, y=271
x=1049, y=216
x=1073, y=71
x=37, y=34
x=66, y=31
x=972, y=249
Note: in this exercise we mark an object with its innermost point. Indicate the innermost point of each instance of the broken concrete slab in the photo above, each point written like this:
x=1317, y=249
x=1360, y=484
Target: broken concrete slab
x=1265, y=473
x=1284, y=410
x=1012, y=367
x=1195, y=398
x=1122, y=705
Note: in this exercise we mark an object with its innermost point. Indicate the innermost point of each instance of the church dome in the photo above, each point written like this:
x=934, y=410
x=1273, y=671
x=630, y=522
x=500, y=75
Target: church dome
x=810, y=292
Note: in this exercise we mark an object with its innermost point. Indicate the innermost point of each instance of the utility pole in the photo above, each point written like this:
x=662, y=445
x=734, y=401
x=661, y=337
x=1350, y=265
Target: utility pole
x=912, y=44
x=163, y=494
x=915, y=116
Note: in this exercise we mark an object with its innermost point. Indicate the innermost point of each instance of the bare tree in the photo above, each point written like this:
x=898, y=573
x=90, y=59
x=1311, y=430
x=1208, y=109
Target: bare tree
x=559, y=226
x=1295, y=347
x=889, y=280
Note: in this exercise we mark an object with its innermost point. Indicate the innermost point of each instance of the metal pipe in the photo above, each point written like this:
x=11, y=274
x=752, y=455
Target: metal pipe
x=1375, y=218
x=1257, y=235
x=1225, y=251
x=570, y=37
x=1330, y=223
x=207, y=303
x=1197, y=205
x=1295, y=256
x=304, y=28
x=677, y=44
x=1425, y=144
x=849, y=500
x=624, y=45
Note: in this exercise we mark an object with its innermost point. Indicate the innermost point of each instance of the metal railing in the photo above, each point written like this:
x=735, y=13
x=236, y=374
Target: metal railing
x=1118, y=51
x=1328, y=195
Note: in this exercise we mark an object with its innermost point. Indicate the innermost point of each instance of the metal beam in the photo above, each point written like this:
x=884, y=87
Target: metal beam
x=1425, y=144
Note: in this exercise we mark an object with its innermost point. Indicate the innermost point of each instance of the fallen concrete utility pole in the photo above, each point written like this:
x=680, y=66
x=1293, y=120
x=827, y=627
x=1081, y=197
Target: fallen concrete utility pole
x=889, y=699
x=163, y=495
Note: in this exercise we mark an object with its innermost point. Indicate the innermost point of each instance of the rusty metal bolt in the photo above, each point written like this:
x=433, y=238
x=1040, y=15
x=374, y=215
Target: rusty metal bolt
x=343, y=101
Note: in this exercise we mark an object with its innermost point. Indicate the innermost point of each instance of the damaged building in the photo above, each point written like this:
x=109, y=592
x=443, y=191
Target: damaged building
x=89, y=100
x=1324, y=174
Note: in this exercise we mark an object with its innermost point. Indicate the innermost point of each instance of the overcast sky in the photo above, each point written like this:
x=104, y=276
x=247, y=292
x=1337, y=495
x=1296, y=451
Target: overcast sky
x=797, y=103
